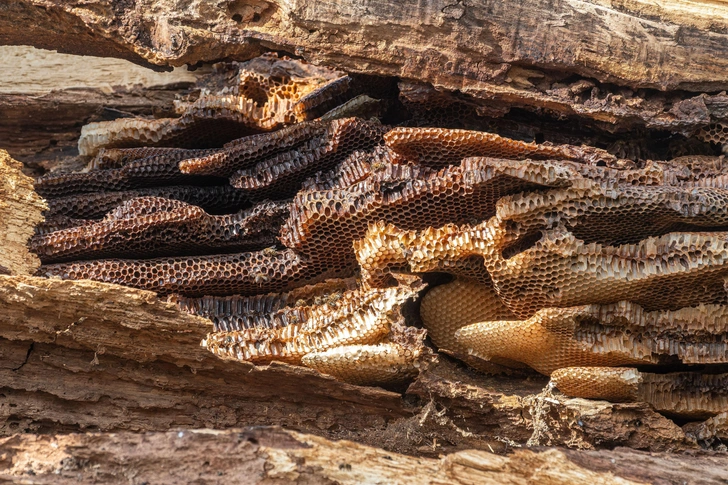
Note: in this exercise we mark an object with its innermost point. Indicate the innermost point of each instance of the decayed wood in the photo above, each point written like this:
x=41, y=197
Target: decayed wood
x=270, y=455
x=20, y=211
x=51, y=96
x=512, y=53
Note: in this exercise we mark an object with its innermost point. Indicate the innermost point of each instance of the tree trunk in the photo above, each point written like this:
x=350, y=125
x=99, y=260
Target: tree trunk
x=99, y=374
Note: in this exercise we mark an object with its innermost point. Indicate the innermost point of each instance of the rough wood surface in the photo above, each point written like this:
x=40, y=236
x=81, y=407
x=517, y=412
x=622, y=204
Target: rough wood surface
x=20, y=211
x=51, y=96
x=270, y=455
x=80, y=356
x=565, y=57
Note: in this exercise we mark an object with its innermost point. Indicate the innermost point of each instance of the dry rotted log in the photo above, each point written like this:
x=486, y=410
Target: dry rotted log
x=90, y=355
x=270, y=455
x=510, y=54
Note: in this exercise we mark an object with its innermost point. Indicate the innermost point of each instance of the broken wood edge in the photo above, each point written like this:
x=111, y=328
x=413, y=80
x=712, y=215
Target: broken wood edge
x=20, y=210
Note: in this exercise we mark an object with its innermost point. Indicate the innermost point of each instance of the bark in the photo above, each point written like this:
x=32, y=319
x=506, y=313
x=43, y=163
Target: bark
x=617, y=63
x=20, y=211
x=275, y=456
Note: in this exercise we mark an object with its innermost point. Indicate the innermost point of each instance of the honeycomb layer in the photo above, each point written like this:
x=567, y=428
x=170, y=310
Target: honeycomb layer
x=614, y=215
x=357, y=318
x=282, y=174
x=272, y=310
x=324, y=224
x=265, y=97
x=154, y=171
x=536, y=235
x=685, y=394
x=366, y=364
x=251, y=273
x=611, y=384
x=245, y=152
x=156, y=226
x=447, y=308
x=600, y=335
x=216, y=199
x=439, y=147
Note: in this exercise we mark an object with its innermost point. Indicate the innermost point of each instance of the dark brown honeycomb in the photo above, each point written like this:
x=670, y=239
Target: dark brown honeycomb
x=283, y=174
x=250, y=273
x=245, y=152
x=215, y=200
x=715, y=133
x=156, y=226
x=154, y=171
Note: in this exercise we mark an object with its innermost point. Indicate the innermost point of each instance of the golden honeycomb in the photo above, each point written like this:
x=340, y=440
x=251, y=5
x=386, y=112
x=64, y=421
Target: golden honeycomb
x=685, y=394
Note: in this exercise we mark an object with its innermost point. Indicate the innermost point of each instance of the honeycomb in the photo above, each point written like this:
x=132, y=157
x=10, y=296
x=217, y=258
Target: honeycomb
x=355, y=168
x=158, y=226
x=609, y=216
x=153, y=171
x=616, y=384
x=248, y=273
x=447, y=308
x=230, y=313
x=686, y=394
x=386, y=250
x=57, y=223
x=439, y=147
x=356, y=318
x=550, y=242
x=384, y=362
x=108, y=158
x=324, y=224
x=247, y=151
x=430, y=107
x=264, y=98
x=282, y=175
x=598, y=335
x=273, y=180
x=215, y=199
x=714, y=133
